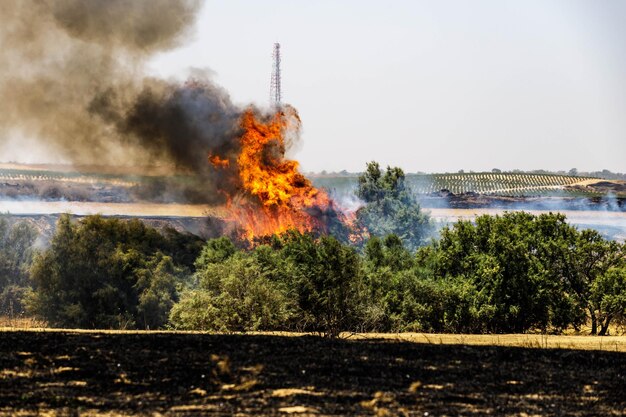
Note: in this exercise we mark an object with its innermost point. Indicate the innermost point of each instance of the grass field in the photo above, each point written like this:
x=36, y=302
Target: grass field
x=194, y=374
x=541, y=341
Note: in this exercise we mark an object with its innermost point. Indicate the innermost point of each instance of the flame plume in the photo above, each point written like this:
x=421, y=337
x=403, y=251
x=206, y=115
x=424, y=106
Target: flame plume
x=276, y=196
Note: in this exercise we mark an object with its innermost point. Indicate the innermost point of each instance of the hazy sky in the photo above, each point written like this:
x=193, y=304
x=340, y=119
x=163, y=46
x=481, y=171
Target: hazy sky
x=430, y=85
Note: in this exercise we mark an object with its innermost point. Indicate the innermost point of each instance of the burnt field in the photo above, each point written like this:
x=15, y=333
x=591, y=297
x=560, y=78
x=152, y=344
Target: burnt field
x=67, y=373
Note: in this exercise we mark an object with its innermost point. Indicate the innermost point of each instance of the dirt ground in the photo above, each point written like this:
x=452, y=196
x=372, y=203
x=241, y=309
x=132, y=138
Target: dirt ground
x=91, y=373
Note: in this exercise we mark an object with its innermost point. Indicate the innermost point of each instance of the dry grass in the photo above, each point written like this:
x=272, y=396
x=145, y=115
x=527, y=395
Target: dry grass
x=21, y=323
x=540, y=341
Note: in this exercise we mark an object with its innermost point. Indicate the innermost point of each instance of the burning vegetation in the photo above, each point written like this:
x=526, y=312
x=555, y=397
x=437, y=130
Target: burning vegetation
x=88, y=59
x=273, y=196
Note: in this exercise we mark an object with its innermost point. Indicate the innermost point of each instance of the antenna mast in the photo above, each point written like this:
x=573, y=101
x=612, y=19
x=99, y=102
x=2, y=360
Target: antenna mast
x=275, y=93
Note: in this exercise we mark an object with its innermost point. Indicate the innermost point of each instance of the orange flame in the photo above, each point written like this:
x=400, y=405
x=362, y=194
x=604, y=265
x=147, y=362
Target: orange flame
x=218, y=162
x=282, y=198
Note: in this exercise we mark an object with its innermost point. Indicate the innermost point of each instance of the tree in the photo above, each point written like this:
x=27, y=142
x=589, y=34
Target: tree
x=608, y=298
x=390, y=208
x=516, y=263
x=232, y=294
x=215, y=251
x=326, y=280
x=107, y=273
x=590, y=259
x=16, y=255
x=407, y=295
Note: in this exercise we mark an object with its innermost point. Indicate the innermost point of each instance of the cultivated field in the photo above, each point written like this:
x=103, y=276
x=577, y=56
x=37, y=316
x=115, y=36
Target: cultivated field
x=152, y=373
x=485, y=183
x=507, y=184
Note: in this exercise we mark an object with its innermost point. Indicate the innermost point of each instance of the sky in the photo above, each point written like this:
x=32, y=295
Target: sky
x=432, y=86
x=429, y=86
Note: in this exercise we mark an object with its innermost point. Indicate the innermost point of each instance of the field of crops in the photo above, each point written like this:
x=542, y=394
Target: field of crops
x=486, y=183
x=507, y=184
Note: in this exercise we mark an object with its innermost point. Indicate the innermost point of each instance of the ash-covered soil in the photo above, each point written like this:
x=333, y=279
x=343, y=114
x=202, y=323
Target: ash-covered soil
x=64, y=373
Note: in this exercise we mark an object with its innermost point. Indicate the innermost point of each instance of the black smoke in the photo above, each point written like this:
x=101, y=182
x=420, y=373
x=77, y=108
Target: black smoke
x=72, y=75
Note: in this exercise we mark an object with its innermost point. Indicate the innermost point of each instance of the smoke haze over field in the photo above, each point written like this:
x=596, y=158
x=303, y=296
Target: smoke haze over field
x=72, y=77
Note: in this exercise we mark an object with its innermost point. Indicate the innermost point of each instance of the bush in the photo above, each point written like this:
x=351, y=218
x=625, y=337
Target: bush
x=326, y=281
x=524, y=269
x=107, y=273
x=232, y=295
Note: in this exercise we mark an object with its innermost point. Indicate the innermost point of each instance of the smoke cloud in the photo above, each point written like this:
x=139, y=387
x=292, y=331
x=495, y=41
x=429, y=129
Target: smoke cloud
x=72, y=76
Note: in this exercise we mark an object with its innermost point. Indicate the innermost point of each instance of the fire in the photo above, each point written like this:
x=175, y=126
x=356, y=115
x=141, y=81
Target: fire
x=263, y=170
x=278, y=196
x=218, y=162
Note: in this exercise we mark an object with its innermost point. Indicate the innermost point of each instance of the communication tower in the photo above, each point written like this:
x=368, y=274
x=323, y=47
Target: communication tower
x=275, y=93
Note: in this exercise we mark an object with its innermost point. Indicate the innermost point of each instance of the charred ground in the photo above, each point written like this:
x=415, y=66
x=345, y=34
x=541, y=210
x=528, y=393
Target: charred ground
x=202, y=374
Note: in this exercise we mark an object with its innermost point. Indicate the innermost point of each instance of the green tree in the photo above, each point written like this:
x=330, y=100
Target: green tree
x=590, y=259
x=390, y=207
x=233, y=294
x=106, y=273
x=515, y=262
x=409, y=297
x=16, y=254
x=385, y=261
x=215, y=251
x=608, y=298
x=327, y=282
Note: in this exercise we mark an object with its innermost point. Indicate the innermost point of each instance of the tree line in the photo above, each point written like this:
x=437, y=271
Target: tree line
x=512, y=273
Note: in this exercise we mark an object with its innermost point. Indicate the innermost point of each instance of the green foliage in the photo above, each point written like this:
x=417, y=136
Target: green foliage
x=589, y=259
x=523, y=266
x=107, y=273
x=215, y=251
x=434, y=305
x=608, y=297
x=234, y=294
x=16, y=254
x=156, y=278
x=195, y=311
x=326, y=281
x=300, y=282
x=374, y=185
x=390, y=208
x=409, y=298
x=511, y=273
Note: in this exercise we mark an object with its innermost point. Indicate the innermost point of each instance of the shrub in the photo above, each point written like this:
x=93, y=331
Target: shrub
x=107, y=273
x=233, y=295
